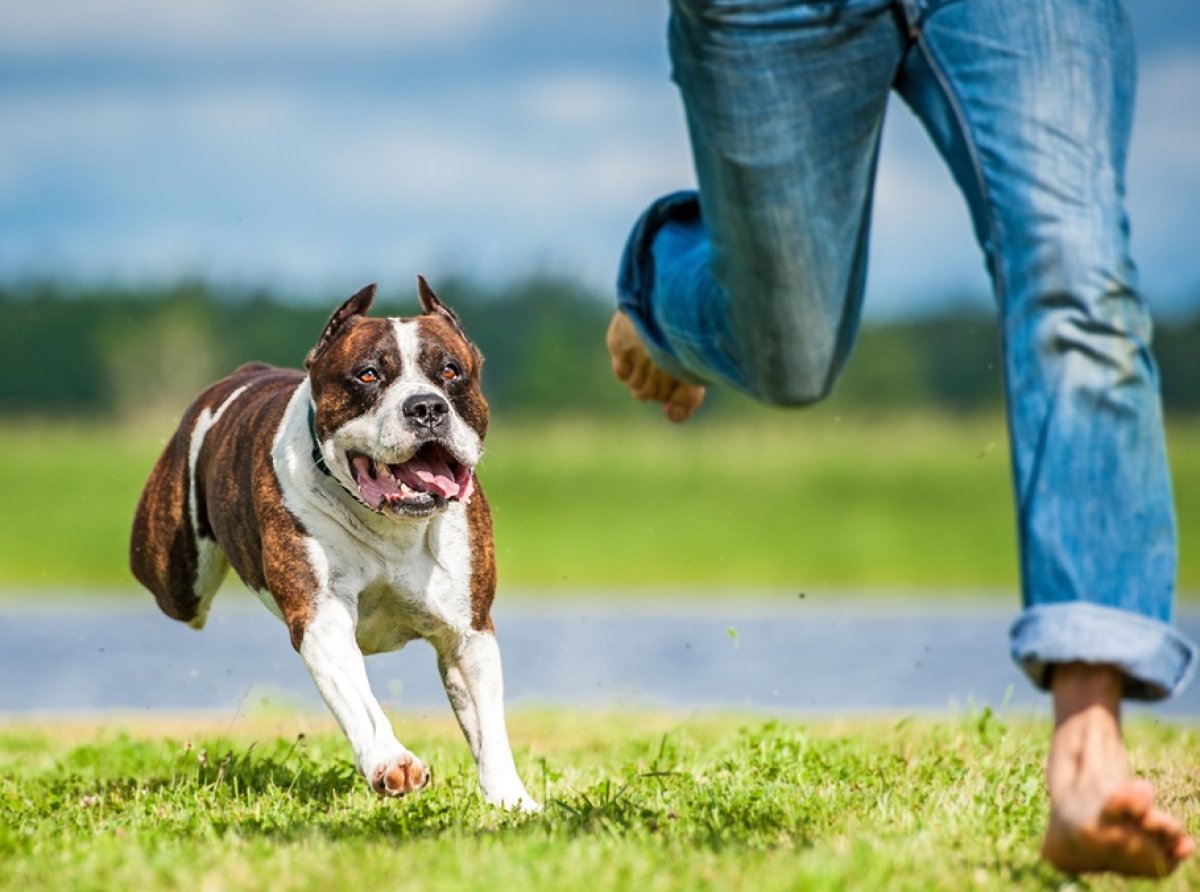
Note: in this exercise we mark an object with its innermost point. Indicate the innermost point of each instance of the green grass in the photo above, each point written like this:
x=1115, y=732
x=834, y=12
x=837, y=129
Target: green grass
x=633, y=801
x=764, y=500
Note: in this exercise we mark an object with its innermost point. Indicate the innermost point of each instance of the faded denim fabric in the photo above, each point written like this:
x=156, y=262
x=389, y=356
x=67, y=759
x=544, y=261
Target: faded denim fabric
x=757, y=281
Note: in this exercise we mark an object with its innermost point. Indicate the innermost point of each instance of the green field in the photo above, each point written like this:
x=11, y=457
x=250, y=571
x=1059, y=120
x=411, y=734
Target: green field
x=809, y=501
x=633, y=801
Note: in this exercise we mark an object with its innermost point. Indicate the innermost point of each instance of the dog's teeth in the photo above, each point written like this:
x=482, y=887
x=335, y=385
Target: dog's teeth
x=384, y=471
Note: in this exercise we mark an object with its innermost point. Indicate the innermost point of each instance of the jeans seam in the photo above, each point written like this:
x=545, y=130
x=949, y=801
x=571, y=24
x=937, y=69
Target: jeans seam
x=995, y=233
x=961, y=120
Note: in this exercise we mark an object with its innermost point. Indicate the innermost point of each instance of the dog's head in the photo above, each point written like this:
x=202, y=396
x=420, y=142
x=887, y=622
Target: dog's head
x=399, y=417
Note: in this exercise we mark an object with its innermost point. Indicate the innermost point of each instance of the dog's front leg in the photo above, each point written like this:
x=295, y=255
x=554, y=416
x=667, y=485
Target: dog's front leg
x=470, y=668
x=332, y=656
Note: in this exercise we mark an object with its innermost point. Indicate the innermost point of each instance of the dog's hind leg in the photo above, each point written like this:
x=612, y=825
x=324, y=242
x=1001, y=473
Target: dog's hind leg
x=163, y=549
x=167, y=554
x=172, y=549
x=211, y=569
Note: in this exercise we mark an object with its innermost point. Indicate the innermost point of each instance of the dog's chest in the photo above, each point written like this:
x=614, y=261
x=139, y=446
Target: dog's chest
x=389, y=618
x=404, y=579
x=415, y=589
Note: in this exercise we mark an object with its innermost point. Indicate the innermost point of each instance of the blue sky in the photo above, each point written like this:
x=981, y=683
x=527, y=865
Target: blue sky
x=311, y=146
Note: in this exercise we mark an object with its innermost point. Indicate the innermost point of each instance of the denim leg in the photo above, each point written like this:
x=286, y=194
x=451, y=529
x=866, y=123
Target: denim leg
x=1031, y=106
x=757, y=282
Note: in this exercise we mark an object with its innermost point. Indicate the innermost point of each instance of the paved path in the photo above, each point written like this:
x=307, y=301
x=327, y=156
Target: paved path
x=775, y=656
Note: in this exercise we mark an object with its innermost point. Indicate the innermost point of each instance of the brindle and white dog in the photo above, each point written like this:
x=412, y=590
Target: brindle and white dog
x=346, y=498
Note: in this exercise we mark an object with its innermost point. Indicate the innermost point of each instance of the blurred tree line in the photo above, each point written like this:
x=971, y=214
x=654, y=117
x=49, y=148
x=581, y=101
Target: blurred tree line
x=113, y=352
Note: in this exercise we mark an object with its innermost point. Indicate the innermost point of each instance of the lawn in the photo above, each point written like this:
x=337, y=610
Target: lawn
x=761, y=500
x=633, y=801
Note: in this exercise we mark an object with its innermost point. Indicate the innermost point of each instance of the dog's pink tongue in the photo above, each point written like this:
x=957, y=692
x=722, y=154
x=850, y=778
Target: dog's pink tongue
x=432, y=476
x=373, y=490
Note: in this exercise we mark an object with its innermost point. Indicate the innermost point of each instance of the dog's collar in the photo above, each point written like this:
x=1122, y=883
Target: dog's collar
x=318, y=458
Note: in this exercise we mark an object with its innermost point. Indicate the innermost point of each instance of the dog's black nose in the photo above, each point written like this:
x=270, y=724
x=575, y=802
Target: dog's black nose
x=427, y=410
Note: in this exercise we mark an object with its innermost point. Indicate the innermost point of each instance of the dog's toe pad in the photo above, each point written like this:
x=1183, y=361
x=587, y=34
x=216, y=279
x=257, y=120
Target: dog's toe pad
x=400, y=776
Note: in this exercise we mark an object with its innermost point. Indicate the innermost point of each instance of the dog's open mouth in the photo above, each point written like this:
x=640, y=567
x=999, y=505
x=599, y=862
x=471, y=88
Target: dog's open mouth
x=432, y=477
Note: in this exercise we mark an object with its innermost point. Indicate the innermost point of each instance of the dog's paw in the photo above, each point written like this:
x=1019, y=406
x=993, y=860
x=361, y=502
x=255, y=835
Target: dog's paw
x=399, y=776
x=528, y=806
x=514, y=800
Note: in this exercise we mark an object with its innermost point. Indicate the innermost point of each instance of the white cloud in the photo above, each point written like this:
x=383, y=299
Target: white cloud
x=1166, y=135
x=276, y=183
x=583, y=99
x=563, y=141
x=490, y=163
x=1164, y=179
x=166, y=26
x=1167, y=127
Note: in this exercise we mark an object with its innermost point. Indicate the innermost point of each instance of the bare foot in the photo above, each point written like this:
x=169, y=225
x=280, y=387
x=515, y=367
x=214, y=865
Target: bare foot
x=1102, y=818
x=631, y=363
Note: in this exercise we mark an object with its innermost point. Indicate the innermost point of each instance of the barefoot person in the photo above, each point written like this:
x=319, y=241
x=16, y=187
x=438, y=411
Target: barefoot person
x=757, y=281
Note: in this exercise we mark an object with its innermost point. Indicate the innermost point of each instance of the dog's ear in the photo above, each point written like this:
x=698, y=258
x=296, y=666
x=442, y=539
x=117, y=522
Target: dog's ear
x=432, y=306
x=356, y=305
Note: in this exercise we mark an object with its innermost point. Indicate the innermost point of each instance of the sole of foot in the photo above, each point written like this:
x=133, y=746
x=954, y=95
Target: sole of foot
x=632, y=365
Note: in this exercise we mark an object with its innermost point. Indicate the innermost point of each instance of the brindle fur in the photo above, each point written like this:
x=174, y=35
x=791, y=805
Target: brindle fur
x=239, y=506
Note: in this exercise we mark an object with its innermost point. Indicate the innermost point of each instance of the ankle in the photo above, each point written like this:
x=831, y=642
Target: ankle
x=1086, y=688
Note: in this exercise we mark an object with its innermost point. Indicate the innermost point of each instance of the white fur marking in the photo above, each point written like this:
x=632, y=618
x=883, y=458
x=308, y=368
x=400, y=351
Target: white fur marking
x=474, y=683
x=383, y=581
x=336, y=666
x=410, y=350
x=211, y=564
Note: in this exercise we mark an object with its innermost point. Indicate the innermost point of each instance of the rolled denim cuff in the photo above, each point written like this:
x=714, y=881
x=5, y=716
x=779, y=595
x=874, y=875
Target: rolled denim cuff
x=635, y=279
x=1156, y=659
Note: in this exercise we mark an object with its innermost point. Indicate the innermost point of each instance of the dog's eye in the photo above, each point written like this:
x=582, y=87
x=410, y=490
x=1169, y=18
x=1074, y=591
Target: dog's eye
x=451, y=371
x=368, y=376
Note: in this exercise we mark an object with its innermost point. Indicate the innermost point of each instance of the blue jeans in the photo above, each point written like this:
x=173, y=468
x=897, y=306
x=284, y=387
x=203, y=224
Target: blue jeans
x=757, y=281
